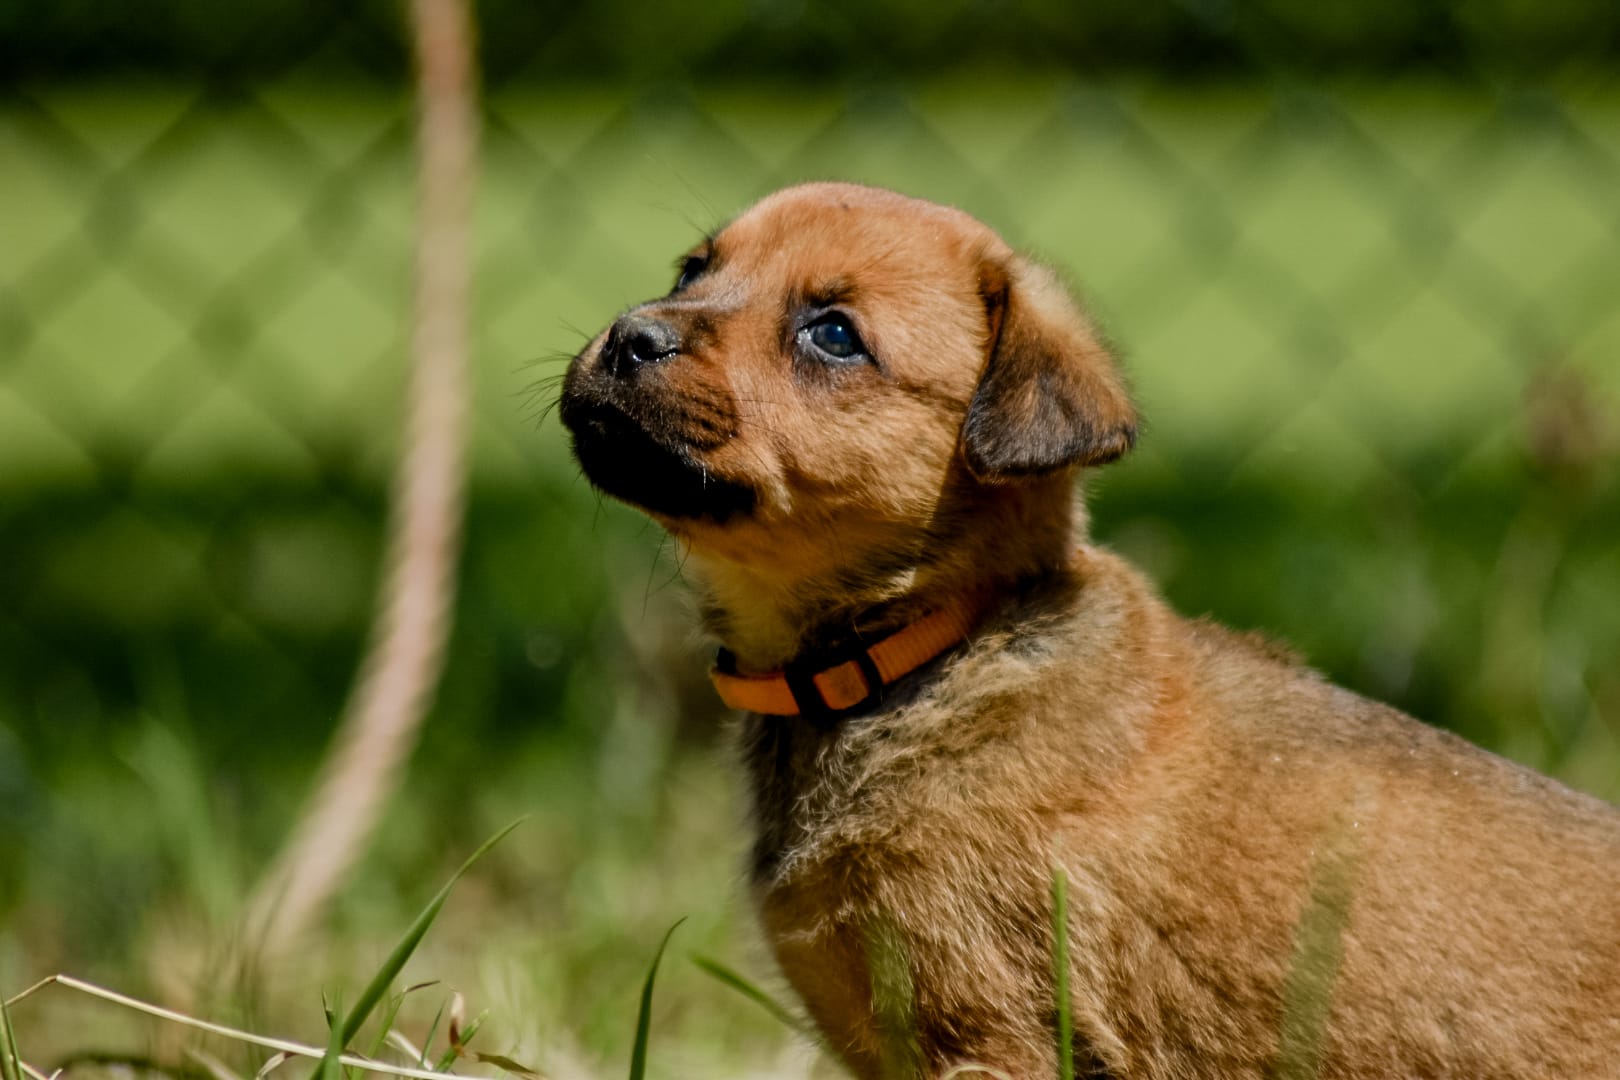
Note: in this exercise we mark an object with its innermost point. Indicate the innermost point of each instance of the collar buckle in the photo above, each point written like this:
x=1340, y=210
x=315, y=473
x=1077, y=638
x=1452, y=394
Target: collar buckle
x=800, y=676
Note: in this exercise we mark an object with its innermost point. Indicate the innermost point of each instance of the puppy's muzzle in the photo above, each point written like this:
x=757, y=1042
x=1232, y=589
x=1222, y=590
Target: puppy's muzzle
x=637, y=340
x=646, y=440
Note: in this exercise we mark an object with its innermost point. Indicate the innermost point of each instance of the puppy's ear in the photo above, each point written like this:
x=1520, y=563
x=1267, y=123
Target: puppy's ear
x=1050, y=396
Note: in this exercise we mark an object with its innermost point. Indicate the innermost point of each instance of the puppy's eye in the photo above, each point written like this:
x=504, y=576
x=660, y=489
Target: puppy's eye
x=691, y=269
x=833, y=336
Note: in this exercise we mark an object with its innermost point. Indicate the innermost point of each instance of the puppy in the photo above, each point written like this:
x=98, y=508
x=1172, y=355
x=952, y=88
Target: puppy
x=862, y=417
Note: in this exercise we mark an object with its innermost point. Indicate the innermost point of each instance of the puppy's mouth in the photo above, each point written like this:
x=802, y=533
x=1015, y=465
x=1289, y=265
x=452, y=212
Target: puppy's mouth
x=659, y=475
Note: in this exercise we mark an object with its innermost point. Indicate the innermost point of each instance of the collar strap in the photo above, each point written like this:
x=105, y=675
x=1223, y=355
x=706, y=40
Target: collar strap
x=829, y=686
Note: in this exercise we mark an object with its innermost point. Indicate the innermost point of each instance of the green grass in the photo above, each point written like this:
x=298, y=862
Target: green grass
x=1064, y=1005
x=638, y=1048
x=551, y=935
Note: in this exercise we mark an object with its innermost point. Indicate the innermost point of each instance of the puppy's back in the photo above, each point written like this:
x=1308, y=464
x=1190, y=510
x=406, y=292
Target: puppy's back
x=1448, y=911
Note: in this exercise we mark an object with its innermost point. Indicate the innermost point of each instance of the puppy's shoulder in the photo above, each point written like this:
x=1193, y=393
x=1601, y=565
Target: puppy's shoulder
x=1113, y=603
x=1253, y=645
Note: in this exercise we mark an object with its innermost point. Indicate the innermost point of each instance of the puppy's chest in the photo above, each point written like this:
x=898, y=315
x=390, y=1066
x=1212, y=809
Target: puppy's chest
x=854, y=794
x=804, y=783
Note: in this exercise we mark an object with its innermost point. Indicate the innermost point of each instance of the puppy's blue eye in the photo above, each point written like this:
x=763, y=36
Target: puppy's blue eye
x=834, y=336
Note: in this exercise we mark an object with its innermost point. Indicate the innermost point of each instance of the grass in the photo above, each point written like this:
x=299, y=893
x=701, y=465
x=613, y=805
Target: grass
x=1060, y=974
x=340, y=1061
x=377, y=989
x=10, y=1058
x=638, y=1050
x=750, y=990
x=550, y=936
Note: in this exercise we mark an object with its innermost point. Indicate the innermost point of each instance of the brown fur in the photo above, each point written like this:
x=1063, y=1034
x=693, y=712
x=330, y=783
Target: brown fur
x=1267, y=875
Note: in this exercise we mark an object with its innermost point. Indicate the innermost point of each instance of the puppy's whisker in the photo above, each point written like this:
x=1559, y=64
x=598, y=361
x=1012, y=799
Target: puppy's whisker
x=576, y=331
x=652, y=571
x=554, y=357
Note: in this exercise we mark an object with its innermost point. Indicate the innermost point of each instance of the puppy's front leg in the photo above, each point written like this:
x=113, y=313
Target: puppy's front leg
x=912, y=998
x=882, y=1008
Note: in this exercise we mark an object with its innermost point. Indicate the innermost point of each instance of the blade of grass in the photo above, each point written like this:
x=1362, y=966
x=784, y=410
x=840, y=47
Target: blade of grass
x=472, y=1029
x=458, y=1012
x=638, y=1053
x=1060, y=972
x=330, y=1067
x=506, y=1064
x=390, y=1014
x=211, y=1064
x=1318, y=951
x=272, y=1063
x=894, y=996
x=433, y=1029
x=399, y=1042
x=10, y=1059
x=380, y=982
x=741, y=985
x=459, y=1041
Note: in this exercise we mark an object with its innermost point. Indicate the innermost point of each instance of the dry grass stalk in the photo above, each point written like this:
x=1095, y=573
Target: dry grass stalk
x=286, y=1047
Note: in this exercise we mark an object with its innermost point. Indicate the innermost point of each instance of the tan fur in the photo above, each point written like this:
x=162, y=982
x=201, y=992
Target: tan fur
x=1268, y=876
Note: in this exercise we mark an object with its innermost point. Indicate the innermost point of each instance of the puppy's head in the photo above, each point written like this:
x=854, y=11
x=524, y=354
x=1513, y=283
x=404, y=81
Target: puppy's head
x=839, y=378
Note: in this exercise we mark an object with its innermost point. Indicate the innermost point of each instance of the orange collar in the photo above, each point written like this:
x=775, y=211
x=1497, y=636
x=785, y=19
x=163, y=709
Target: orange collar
x=828, y=686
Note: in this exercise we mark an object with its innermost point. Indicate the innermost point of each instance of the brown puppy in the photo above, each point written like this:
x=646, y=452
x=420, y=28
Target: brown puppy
x=856, y=408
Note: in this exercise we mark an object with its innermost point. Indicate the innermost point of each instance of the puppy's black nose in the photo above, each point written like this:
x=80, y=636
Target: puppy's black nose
x=638, y=339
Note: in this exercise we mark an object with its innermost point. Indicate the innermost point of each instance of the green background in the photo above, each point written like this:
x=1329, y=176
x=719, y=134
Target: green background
x=1363, y=263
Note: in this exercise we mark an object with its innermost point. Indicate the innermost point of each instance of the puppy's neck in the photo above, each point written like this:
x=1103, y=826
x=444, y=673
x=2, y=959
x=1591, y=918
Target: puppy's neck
x=1012, y=536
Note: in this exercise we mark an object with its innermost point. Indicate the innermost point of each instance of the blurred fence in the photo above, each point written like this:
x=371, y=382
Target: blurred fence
x=1373, y=317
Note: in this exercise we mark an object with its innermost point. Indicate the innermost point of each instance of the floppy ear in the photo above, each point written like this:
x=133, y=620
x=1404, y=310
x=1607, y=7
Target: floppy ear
x=1050, y=396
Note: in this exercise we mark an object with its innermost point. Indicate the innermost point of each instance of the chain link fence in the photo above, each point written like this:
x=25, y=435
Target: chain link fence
x=1366, y=276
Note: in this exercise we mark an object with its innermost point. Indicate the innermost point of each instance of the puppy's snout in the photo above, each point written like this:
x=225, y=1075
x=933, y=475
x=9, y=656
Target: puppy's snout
x=638, y=339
